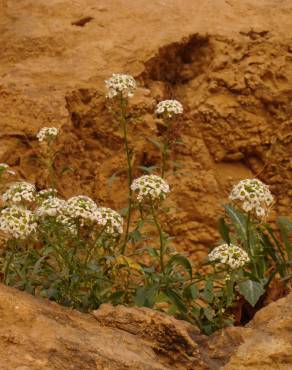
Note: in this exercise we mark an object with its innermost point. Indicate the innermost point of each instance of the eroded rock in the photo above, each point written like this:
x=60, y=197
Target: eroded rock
x=229, y=62
x=37, y=334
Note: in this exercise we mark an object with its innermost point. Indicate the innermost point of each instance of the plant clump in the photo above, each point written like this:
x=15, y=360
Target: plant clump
x=81, y=254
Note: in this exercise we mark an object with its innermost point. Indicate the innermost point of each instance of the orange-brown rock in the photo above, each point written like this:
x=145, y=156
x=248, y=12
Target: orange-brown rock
x=228, y=61
x=36, y=334
x=267, y=340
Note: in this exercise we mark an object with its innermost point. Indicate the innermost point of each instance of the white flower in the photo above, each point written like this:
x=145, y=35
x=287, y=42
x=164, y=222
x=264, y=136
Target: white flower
x=50, y=207
x=17, y=222
x=20, y=192
x=4, y=168
x=110, y=219
x=67, y=222
x=231, y=255
x=81, y=207
x=150, y=187
x=120, y=84
x=169, y=108
x=254, y=195
x=47, y=134
x=45, y=194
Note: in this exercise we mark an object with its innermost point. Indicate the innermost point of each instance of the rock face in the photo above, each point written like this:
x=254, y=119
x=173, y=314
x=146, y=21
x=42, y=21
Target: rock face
x=38, y=334
x=267, y=340
x=229, y=62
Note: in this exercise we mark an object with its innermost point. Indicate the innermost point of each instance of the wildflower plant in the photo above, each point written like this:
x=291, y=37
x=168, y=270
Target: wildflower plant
x=167, y=110
x=121, y=87
x=230, y=255
x=81, y=254
x=19, y=192
x=46, y=137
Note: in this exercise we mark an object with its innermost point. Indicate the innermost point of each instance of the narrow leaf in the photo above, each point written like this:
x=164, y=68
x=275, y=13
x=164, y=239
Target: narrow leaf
x=179, y=259
x=224, y=230
x=251, y=290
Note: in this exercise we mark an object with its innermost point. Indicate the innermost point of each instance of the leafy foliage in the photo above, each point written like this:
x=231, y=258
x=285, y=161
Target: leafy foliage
x=89, y=266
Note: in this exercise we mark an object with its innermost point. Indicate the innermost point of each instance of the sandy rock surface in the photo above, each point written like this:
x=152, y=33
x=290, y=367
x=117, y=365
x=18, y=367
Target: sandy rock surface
x=36, y=334
x=229, y=63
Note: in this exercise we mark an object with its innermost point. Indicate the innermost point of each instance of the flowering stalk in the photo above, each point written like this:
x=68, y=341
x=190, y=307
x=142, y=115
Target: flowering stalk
x=123, y=86
x=165, y=149
x=167, y=108
x=250, y=251
x=46, y=136
x=51, y=170
x=8, y=263
x=130, y=176
x=161, y=238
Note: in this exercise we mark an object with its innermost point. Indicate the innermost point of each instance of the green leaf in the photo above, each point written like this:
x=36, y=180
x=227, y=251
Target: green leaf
x=123, y=211
x=113, y=177
x=66, y=169
x=155, y=143
x=135, y=236
x=230, y=292
x=152, y=252
x=115, y=297
x=224, y=230
x=238, y=220
x=208, y=312
x=145, y=296
x=285, y=227
x=148, y=169
x=251, y=290
x=208, y=294
x=176, y=300
x=191, y=292
x=179, y=259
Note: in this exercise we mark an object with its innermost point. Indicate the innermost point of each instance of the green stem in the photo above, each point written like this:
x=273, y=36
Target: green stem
x=165, y=149
x=130, y=176
x=250, y=252
x=164, y=159
x=93, y=246
x=161, y=239
x=51, y=165
x=6, y=270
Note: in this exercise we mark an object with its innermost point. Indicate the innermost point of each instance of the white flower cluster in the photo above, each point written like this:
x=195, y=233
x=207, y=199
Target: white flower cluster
x=169, y=108
x=231, y=255
x=120, y=84
x=68, y=222
x=45, y=194
x=150, y=187
x=254, y=194
x=17, y=222
x=47, y=134
x=20, y=192
x=50, y=207
x=81, y=207
x=110, y=219
x=4, y=168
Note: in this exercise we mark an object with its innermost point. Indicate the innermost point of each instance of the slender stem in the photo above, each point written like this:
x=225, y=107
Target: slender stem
x=250, y=252
x=165, y=149
x=164, y=159
x=130, y=176
x=161, y=238
x=6, y=270
x=93, y=246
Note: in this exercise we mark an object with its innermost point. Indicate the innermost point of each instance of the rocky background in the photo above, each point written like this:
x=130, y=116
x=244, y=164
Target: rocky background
x=40, y=335
x=230, y=63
